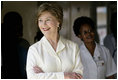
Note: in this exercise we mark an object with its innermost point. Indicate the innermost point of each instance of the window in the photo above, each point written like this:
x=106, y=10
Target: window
x=101, y=23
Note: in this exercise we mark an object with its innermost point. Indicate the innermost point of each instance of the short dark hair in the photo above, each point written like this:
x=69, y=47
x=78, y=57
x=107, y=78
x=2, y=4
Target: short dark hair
x=80, y=21
x=13, y=21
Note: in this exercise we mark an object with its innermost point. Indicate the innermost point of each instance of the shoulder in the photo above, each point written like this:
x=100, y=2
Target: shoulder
x=103, y=47
x=82, y=45
x=68, y=42
x=35, y=49
x=105, y=51
x=23, y=42
x=108, y=37
x=37, y=46
x=70, y=45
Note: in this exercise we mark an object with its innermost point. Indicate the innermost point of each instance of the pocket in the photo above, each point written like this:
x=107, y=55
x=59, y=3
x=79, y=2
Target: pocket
x=100, y=63
x=101, y=69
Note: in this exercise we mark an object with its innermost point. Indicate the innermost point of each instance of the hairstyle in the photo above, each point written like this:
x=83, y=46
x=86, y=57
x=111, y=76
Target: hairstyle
x=113, y=24
x=80, y=21
x=13, y=22
x=54, y=9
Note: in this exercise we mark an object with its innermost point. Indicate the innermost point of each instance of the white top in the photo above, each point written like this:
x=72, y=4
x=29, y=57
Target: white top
x=54, y=64
x=100, y=66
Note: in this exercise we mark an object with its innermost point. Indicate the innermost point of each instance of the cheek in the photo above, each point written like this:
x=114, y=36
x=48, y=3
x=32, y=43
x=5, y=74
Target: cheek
x=93, y=34
x=39, y=25
x=53, y=24
x=50, y=23
x=84, y=37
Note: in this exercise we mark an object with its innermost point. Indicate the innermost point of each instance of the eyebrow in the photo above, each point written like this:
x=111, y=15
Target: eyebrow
x=46, y=18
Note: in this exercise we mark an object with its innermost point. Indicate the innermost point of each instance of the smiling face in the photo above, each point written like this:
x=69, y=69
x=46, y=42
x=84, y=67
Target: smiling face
x=48, y=24
x=86, y=33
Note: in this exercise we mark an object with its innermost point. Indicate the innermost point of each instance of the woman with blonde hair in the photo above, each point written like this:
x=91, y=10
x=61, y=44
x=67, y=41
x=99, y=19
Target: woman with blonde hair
x=53, y=57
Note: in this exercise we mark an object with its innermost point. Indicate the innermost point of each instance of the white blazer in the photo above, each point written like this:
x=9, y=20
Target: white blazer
x=54, y=64
x=99, y=66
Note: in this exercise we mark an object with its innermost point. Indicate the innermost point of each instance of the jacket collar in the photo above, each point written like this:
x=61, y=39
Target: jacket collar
x=97, y=51
x=60, y=45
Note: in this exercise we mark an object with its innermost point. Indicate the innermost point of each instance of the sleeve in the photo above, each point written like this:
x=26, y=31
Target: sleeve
x=31, y=62
x=78, y=64
x=111, y=66
x=106, y=42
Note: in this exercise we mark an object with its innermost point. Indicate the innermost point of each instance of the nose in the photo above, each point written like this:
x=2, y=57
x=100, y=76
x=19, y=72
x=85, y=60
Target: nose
x=88, y=33
x=44, y=23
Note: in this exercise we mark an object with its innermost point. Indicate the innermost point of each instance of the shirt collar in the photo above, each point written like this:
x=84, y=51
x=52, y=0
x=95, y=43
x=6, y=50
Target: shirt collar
x=60, y=45
x=97, y=52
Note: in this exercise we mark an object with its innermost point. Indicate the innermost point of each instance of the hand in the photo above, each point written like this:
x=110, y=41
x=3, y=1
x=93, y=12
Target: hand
x=110, y=77
x=80, y=77
x=72, y=75
x=37, y=69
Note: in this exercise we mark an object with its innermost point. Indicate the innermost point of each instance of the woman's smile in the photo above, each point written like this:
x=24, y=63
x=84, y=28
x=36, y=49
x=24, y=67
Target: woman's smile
x=45, y=29
x=89, y=37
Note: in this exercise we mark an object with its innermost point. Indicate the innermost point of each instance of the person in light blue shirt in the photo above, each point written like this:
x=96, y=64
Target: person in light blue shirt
x=110, y=40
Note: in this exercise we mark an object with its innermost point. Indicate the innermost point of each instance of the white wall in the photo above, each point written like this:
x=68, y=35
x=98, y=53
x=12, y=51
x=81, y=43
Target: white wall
x=72, y=10
x=27, y=9
x=78, y=9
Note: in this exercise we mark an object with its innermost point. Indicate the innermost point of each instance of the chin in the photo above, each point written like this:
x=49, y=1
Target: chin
x=89, y=41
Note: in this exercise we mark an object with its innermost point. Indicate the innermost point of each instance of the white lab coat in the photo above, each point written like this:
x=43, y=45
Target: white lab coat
x=54, y=64
x=99, y=66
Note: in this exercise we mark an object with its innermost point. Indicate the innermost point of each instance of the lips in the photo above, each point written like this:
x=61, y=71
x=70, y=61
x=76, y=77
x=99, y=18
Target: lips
x=45, y=29
x=89, y=37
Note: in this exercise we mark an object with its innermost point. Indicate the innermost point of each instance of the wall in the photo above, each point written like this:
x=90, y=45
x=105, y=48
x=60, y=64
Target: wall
x=71, y=9
x=78, y=9
x=27, y=9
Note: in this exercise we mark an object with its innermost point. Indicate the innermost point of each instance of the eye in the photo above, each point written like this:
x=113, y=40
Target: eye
x=40, y=20
x=85, y=32
x=48, y=20
x=91, y=30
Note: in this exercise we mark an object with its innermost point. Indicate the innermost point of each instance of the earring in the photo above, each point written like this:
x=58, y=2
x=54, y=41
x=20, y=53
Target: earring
x=59, y=28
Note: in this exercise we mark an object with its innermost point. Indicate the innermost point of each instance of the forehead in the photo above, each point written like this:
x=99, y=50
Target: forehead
x=46, y=14
x=85, y=26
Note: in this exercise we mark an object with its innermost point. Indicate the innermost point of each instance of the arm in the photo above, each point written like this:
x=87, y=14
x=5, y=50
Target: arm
x=78, y=64
x=72, y=75
x=67, y=75
x=111, y=66
x=32, y=62
x=37, y=69
x=110, y=77
x=78, y=68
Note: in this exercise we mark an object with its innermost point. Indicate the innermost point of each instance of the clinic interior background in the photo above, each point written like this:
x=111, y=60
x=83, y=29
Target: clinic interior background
x=99, y=11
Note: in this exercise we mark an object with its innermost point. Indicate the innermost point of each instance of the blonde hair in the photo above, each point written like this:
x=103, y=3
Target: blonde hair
x=54, y=9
